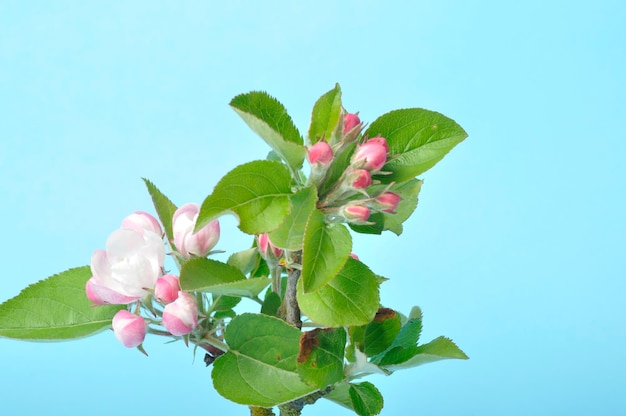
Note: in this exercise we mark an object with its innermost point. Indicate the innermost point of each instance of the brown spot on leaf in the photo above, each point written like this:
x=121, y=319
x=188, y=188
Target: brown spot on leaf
x=308, y=341
x=383, y=314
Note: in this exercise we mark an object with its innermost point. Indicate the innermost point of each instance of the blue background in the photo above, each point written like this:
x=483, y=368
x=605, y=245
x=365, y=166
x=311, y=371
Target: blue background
x=516, y=250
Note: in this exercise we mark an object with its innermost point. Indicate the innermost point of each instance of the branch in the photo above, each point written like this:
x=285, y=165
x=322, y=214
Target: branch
x=261, y=411
x=294, y=408
x=292, y=310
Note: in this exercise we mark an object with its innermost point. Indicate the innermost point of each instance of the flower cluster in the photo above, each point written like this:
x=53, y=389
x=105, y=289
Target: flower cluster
x=130, y=271
x=355, y=194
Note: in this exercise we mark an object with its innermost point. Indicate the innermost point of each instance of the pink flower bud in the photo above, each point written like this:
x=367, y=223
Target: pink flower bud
x=388, y=202
x=320, y=153
x=265, y=246
x=142, y=221
x=186, y=241
x=129, y=329
x=350, y=121
x=354, y=256
x=356, y=213
x=380, y=140
x=181, y=316
x=371, y=155
x=167, y=288
x=360, y=179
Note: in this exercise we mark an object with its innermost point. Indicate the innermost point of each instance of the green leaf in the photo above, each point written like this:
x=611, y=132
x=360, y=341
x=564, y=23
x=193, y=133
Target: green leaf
x=290, y=234
x=259, y=369
x=164, y=207
x=366, y=399
x=224, y=303
x=440, y=348
x=320, y=361
x=381, y=332
x=248, y=287
x=326, y=113
x=340, y=394
x=257, y=192
x=55, y=309
x=417, y=140
x=404, y=345
x=212, y=276
x=246, y=261
x=269, y=119
x=271, y=303
x=202, y=273
x=350, y=298
x=326, y=249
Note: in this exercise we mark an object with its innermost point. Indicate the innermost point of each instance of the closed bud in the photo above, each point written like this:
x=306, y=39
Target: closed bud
x=181, y=316
x=356, y=213
x=371, y=155
x=266, y=247
x=321, y=153
x=167, y=288
x=388, y=202
x=350, y=121
x=186, y=241
x=360, y=179
x=129, y=329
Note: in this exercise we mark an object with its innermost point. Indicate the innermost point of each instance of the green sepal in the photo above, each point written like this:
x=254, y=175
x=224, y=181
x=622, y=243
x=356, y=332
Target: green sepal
x=417, y=140
x=382, y=221
x=256, y=192
x=55, y=309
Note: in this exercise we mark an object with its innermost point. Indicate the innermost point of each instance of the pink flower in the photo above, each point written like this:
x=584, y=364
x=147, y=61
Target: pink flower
x=350, y=121
x=102, y=295
x=186, y=241
x=266, y=246
x=129, y=329
x=181, y=316
x=371, y=155
x=388, y=202
x=354, y=256
x=320, y=153
x=360, y=179
x=356, y=213
x=128, y=269
x=167, y=288
x=142, y=221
